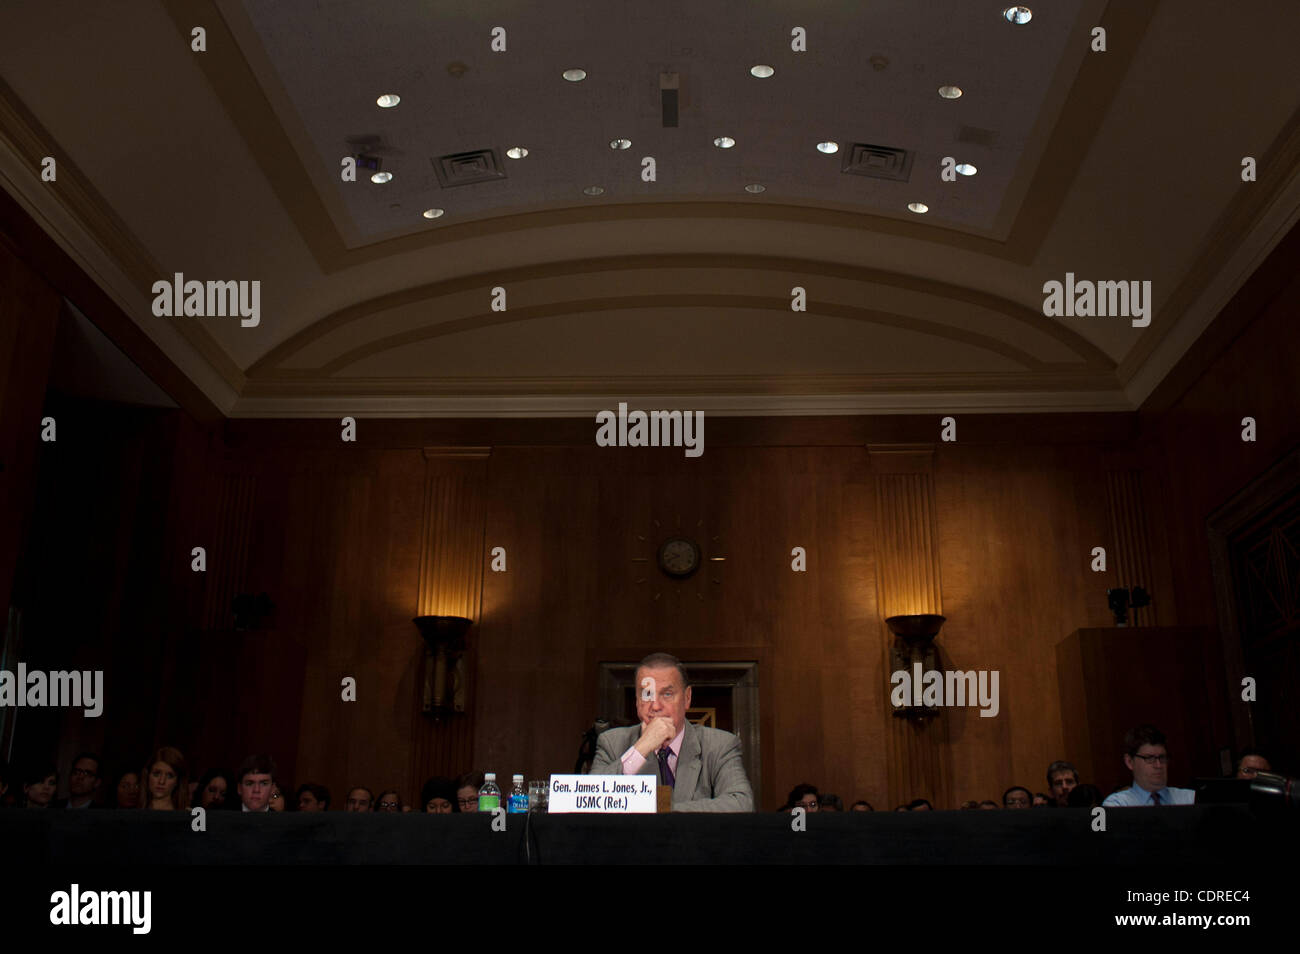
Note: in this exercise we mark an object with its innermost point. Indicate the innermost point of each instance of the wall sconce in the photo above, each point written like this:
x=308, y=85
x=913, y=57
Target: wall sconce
x=914, y=643
x=445, y=682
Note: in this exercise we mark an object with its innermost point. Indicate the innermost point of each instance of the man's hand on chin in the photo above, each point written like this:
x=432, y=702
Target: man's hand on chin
x=654, y=734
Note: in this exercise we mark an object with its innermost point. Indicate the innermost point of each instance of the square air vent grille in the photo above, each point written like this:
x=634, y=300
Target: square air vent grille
x=467, y=168
x=878, y=162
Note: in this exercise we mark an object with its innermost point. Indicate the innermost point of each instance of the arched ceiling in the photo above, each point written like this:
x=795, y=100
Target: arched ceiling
x=1115, y=165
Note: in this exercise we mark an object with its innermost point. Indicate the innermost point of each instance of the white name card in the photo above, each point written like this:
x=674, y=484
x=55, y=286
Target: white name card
x=605, y=794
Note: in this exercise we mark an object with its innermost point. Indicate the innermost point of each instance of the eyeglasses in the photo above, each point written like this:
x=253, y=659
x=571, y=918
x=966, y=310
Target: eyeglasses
x=388, y=806
x=468, y=802
x=83, y=773
x=1153, y=759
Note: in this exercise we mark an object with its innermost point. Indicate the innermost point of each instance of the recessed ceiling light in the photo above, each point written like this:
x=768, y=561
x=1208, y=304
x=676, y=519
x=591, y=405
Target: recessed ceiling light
x=593, y=190
x=389, y=100
x=828, y=147
x=620, y=144
x=381, y=177
x=754, y=188
x=724, y=142
x=918, y=207
x=575, y=76
x=761, y=71
x=1019, y=15
x=950, y=92
x=516, y=152
x=966, y=169
x=432, y=213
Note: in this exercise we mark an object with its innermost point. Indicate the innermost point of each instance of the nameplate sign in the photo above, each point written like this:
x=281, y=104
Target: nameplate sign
x=603, y=794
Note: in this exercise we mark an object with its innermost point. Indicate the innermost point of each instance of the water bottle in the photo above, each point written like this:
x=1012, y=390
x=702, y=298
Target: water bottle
x=489, y=796
x=518, y=803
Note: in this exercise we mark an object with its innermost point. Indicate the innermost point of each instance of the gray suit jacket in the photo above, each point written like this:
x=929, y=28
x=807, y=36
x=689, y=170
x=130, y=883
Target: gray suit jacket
x=710, y=774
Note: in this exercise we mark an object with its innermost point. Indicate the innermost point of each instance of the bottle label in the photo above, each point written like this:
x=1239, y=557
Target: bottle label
x=518, y=804
x=489, y=803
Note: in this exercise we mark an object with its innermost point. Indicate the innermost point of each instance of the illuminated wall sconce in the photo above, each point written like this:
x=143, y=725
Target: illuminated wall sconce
x=914, y=644
x=445, y=682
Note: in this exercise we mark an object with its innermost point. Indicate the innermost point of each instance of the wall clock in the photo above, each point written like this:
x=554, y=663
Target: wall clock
x=679, y=557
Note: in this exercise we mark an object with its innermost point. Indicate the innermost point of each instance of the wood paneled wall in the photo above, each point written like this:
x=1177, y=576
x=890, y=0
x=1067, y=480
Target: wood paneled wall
x=353, y=540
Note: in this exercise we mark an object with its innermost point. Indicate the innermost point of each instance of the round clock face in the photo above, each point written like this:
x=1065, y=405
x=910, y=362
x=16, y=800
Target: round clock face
x=679, y=557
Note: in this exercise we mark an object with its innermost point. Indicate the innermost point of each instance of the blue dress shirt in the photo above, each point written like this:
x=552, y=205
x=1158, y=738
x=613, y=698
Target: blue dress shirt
x=1134, y=796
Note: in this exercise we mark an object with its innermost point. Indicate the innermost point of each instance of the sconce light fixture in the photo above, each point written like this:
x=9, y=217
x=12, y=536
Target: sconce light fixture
x=914, y=638
x=444, y=668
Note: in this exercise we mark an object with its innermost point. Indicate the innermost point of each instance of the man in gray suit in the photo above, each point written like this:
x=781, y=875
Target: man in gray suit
x=702, y=765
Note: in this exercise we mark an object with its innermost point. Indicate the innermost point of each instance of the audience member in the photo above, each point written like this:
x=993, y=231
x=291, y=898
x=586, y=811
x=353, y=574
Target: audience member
x=254, y=783
x=40, y=782
x=439, y=796
x=919, y=805
x=902, y=808
x=987, y=804
x=359, y=800
x=312, y=798
x=388, y=801
x=1147, y=758
x=276, y=802
x=1251, y=764
x=127, y=791
x=969, y=806
x=167, y=783
x=1017, y=797
x=830, y=803
x=1084, y=796
x=861, y=806
x=1042, y=801
x=803, y=796
x=83, y=781
x=1061, y=777
x=215, y=791
x=467, y=787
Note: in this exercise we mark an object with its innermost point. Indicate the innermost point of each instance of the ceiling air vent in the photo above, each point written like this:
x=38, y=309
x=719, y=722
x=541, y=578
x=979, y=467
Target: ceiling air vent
x=878, y=162
x=467, y=168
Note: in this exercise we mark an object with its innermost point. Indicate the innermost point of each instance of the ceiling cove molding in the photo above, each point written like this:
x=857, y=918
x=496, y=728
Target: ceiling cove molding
x=725, y=405
x=273, y=360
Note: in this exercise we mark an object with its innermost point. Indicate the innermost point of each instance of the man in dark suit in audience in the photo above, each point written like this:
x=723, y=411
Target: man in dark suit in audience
x=254, y=781
x=702, y=765
x=83, y=781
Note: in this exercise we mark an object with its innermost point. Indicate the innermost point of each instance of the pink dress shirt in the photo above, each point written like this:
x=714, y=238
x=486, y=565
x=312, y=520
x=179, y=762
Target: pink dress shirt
x=633, y=760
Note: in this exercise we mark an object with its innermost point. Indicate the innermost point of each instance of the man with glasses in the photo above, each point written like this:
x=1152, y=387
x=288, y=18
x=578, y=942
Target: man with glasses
x=1251, y=764
x=1148, y=760
x=83, y=782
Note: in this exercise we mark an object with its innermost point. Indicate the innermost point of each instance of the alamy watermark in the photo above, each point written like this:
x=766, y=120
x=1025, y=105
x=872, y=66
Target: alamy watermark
x=75, y=906
x=208, y=299
x=656, y=429
x=1089, y=299
x=58, y=689
x=933, y=689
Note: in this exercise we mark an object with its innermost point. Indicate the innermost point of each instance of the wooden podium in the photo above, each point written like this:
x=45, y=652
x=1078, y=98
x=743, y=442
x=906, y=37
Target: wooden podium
x=1114, y=679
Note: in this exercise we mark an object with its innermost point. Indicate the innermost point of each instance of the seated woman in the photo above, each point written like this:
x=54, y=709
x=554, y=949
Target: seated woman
x=167, y=782
x=388, y=801
x=127, y=790
x=439, y=796
x=278, y=800
x=216, y=791
x=40, y=781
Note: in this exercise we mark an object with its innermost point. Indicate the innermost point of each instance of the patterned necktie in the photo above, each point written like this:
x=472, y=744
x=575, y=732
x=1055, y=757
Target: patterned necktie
x=665, y=772
x=1155, y=798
